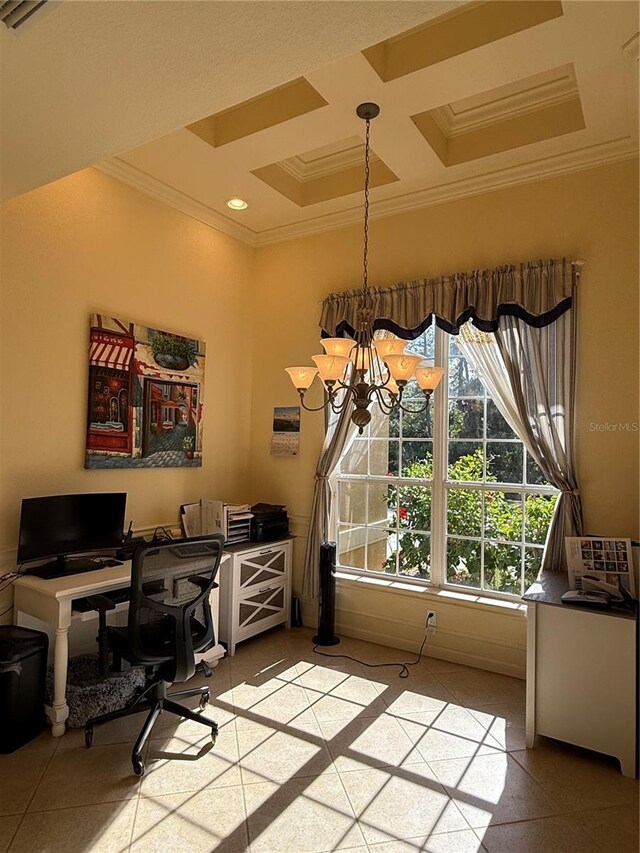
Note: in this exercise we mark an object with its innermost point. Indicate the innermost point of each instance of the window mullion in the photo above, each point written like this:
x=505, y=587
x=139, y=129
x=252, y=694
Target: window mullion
x=440, y=405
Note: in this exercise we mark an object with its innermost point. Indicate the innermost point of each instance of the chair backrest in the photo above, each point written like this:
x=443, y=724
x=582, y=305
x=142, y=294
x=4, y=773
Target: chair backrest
x=169, y=612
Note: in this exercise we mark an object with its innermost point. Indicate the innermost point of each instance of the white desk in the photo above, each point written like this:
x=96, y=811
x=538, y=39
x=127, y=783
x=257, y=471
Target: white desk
x=50, y=601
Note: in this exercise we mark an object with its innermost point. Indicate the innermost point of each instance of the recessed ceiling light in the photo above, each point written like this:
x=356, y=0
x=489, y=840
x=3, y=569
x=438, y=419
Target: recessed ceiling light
x=237, y=204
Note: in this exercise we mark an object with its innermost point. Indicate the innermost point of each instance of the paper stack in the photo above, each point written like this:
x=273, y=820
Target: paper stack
x=201, y=518
x=206, y=517
x=237, y=523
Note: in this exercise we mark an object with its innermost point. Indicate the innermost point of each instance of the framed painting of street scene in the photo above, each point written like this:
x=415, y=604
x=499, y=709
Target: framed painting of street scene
x=145, y=397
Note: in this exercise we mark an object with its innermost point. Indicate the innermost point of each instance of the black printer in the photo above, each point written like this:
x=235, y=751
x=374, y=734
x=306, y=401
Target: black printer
x=269, y=522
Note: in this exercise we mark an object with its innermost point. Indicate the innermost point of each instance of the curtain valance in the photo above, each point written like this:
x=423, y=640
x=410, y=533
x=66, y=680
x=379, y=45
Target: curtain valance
x=537, y=292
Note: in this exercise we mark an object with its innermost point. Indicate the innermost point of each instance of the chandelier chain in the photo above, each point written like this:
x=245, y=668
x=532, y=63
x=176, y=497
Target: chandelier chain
x=357, y=374
x=366, y=207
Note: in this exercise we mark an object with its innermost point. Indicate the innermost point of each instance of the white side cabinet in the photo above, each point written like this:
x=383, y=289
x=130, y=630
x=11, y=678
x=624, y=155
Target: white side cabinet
x=255, y=590
x=581, y=673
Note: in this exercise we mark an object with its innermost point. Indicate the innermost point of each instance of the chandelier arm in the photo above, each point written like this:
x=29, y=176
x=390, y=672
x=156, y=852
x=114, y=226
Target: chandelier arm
x=384, y=375
x=376, y=390
x=328, y=401
x=385, y=381
x=386, y=406
x=422, y=408
x=349, y=396
x=346, y=386
x=312, y=408
x=336, y=408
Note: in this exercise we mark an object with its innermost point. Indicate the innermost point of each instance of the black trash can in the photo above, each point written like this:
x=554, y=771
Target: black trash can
x=23, y=670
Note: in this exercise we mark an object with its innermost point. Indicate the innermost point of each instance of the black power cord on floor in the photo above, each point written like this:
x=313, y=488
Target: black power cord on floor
x=404, y=671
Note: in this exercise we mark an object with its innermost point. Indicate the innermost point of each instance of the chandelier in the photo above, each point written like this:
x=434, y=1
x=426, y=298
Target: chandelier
x=358, y=372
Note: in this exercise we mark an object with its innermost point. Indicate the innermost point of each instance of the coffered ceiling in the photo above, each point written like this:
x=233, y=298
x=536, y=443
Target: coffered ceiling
x=483, y=96
x=84, y=81
x=202, y=101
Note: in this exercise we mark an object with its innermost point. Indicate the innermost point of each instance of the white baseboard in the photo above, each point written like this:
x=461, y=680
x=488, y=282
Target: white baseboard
x=451, y=655
x=487, y=657
x=463, y=647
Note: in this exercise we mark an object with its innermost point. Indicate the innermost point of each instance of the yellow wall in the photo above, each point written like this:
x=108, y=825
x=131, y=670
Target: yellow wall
x=591, y=214
x=89, y=243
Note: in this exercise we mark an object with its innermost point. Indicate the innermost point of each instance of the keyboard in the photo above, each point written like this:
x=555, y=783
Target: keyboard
x=118, y=596
x=197, y=550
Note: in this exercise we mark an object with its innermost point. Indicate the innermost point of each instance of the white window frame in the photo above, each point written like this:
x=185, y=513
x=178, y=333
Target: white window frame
x=440, y=485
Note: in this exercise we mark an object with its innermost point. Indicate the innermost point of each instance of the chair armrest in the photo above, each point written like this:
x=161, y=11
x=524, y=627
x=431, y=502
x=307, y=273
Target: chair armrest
x=100, y=602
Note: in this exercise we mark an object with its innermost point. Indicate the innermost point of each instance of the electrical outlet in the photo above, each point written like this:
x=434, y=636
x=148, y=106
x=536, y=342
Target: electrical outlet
x=430, y=623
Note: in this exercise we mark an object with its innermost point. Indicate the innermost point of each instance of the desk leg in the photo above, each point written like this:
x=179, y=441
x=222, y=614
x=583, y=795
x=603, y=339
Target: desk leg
x=59, y=710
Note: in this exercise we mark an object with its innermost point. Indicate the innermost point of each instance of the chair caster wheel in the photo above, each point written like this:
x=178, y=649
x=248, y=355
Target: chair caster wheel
x=88, y=736
x=214, y=735
x=138, y=766
x=204, y=701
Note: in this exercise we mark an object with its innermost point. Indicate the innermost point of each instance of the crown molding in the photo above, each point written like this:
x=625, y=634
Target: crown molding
x=530, y=98
x=134, y=177
x=546, y=167
x=331, y=164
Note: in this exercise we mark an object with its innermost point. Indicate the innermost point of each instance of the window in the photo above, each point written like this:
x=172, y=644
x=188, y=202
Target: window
x=449, y=496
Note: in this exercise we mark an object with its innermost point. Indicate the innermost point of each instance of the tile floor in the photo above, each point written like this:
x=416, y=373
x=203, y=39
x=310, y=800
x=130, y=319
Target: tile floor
x=319, y=754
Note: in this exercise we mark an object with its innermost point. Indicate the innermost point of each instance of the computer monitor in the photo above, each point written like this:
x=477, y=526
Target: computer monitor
x=62, y=525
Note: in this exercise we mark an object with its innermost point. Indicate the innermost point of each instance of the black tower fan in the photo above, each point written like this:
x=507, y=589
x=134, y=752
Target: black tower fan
x=327, y=610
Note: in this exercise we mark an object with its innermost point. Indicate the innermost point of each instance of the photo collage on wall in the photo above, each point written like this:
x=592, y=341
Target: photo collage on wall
x=610, y=560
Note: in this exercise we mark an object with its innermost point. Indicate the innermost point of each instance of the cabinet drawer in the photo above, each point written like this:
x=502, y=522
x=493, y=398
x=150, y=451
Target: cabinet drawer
x=260, y=568
x=259, y=609
x=255, y=591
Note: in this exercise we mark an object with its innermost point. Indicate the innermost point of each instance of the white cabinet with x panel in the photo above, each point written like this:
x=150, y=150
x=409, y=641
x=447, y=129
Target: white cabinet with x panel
x=255, y=590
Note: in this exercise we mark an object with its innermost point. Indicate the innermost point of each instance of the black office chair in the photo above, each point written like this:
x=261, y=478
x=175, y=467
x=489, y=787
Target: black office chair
x=169, y=620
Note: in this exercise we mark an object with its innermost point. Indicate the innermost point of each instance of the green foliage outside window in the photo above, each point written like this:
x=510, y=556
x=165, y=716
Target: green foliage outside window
x=502, y=519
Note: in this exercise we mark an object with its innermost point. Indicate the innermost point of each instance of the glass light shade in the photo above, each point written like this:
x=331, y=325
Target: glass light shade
x=393, y=346
x=402, y=367
x=330, y=367
x=428, y=378
x=338, y=346
x=302, y=377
